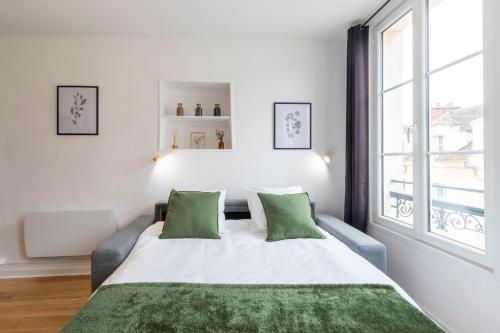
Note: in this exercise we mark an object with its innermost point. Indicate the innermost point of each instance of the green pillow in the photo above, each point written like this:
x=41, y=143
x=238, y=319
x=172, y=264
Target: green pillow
x=289, y=216
x=192, y=215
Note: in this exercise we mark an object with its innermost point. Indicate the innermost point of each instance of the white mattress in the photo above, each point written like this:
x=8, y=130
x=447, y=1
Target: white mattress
x=242, y=256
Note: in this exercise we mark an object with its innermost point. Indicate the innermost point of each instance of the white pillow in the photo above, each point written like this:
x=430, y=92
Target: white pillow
x=257, y=211
x=222, y=206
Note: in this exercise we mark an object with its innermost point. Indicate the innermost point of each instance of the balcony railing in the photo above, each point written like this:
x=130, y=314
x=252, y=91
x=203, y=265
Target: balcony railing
x=444, y=214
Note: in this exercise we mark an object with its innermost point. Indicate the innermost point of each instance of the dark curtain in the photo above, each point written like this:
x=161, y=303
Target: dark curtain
x=357, y=172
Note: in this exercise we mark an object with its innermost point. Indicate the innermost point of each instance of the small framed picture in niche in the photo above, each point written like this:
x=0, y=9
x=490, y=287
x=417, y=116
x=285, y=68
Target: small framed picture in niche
x=198, y=140
x=77, y=110
x=292, y=125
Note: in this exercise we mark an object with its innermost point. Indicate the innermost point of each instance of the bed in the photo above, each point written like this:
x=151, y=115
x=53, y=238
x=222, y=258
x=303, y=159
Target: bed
x=243, y=283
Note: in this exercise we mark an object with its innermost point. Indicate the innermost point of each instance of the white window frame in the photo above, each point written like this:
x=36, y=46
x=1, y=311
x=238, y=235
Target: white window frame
x=419, y=230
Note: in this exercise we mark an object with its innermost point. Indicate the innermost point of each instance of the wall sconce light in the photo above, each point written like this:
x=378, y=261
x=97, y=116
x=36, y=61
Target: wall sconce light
x=156, y=158
x=327, y=158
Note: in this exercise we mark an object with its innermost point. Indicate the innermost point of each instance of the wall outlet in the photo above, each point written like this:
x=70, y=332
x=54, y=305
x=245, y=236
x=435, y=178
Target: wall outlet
x=3, y=261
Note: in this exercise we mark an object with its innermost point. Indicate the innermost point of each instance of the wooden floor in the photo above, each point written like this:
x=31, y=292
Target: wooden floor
x=41, y=304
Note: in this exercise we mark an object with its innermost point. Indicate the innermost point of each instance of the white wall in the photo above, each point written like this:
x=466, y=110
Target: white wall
x=40, y=171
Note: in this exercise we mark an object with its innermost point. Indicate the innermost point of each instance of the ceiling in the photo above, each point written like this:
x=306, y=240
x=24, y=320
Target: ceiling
x=196, y=18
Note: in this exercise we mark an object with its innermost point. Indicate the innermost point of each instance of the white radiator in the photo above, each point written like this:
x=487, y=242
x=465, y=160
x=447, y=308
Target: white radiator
x=58, y=234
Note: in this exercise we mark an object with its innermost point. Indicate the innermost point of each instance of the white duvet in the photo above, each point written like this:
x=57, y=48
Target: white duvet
x=242, y=256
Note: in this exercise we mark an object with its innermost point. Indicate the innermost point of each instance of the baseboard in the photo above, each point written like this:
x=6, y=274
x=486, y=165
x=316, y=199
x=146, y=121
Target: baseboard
x=45, y=268
x=446, y=328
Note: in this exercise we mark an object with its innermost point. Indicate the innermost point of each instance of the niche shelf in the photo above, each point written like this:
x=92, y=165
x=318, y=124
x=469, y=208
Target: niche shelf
x=189, y=126
x=194, y=119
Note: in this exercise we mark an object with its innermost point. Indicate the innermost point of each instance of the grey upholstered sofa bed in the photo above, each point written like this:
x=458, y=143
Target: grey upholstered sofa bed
x=110, y=254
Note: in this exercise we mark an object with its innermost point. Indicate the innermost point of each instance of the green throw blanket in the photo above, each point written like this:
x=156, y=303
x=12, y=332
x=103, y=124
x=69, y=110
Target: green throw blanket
x=184, y=307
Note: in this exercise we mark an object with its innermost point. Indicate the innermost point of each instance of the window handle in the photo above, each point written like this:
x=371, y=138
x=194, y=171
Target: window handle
x=410, y=131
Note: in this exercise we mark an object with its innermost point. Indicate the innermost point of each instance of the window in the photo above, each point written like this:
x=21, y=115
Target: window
x=455, y=85
x=429, y=164
x=397, y=115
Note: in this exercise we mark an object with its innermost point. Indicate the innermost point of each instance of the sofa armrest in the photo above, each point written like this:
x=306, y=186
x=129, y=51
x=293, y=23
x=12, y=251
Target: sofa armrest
x=364, y=245
x=110, y=254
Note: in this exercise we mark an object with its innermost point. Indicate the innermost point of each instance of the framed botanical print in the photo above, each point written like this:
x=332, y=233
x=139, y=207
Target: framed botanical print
x=292, y=125
x=77, y=110
x=198, y=140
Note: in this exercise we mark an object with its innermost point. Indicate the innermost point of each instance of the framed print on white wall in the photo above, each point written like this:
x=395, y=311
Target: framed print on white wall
x=198, y=140
x=292, y=125
x=77, y=110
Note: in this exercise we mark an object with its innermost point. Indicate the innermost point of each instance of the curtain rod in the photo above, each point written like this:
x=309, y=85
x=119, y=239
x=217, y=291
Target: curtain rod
x=378, y=10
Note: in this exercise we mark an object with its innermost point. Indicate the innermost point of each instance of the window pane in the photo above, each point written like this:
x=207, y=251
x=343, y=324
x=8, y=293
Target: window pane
x=457, y=194
x=398, y=188
x=397, y=52
x=456, y=107
x=398, y=119
x=455, y=30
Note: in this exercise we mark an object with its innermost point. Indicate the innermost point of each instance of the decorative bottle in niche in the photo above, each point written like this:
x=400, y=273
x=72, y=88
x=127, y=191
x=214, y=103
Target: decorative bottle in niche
x=217, y=110
x=220, y=137
x=180, y=110
x=198, y=111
